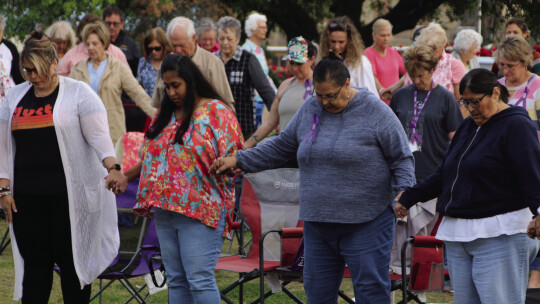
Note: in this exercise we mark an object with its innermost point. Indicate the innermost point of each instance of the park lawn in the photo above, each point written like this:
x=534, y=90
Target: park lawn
x=117, y=294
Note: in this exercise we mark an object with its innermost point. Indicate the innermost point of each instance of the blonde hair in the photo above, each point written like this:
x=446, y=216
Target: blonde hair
x=419, y=58
x=39, y=50
x=100, y=30
x=433, y=35
x=515, y=48
x=380, y=25
x=355, y=45
x=61, y=30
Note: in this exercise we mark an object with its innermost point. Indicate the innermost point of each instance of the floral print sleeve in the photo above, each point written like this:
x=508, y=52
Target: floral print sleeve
x=177, y=177
x=5, y=82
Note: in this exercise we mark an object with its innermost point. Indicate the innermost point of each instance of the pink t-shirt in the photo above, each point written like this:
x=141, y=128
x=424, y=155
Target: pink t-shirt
x=80, y=53
x=387, y=68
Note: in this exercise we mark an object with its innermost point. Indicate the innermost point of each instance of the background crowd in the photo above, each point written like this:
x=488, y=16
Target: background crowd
x=369, y=129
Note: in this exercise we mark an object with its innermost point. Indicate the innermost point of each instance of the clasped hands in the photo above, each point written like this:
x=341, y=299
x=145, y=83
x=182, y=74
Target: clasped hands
x=223, y=164
x=116, y=182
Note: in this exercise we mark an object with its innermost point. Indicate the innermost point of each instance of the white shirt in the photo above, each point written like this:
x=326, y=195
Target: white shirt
x=467, y=230
x=362, y=76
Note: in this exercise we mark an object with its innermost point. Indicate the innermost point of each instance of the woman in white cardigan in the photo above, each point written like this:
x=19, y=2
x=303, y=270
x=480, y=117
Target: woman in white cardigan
x=55, y=143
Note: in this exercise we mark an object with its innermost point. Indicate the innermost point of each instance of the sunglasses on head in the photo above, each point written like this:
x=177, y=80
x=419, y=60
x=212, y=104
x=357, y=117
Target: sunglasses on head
x=335, y=26
x=156, y=48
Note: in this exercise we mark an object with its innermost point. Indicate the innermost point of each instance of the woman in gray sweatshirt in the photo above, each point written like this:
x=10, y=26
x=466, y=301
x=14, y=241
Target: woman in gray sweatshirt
x=353, y=157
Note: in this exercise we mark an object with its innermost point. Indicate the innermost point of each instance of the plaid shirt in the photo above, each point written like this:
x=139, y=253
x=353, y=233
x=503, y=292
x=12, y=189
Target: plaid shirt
x=245, y=74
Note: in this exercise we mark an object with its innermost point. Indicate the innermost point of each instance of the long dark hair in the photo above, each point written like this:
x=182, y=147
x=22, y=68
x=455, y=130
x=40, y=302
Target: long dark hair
x=482, y=81
x=196, y=85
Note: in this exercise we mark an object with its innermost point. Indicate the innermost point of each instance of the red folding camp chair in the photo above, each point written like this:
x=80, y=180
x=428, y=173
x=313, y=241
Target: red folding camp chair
x=269, y=202
x=427, y=267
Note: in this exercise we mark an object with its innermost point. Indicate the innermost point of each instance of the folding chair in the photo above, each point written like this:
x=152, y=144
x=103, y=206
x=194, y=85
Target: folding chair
x=427, y=267
x=146, y=257
x=269, y=202
x=125, y=267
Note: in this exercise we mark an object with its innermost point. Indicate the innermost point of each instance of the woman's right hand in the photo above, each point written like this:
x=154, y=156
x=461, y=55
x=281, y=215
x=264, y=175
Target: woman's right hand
x=8, y=205
x=223, y=164
x=399, y=209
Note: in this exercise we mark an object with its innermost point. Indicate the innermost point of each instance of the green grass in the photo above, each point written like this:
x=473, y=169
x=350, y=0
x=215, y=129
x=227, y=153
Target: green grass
x=117, y=294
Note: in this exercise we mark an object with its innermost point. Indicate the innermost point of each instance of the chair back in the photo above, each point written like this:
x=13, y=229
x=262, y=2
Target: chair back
x=270, y=200
x=427, y=268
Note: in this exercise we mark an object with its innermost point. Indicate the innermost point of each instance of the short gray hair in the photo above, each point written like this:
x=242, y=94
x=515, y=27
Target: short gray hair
x=251, y=23
x=433, y=35
x=181, y=22
x=230, y=23
x=63, y=31
x=465, y=39
x=206, y=24
x=2, y=22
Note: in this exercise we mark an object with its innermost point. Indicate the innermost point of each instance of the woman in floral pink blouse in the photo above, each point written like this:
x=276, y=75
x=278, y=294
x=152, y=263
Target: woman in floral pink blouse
x=192, y=128
x=5, y=82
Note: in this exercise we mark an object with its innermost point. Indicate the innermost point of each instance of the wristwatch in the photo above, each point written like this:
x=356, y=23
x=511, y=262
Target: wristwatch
x=114, y=167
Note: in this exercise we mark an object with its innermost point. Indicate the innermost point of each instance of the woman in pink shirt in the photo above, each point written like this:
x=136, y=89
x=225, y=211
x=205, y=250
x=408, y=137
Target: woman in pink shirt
x=386, y=62
x=80, y=53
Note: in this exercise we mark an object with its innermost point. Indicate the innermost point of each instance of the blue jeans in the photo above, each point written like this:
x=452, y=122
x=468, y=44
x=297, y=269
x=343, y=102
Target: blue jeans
x=190, y=251
x=491, y=270
x=364, y=247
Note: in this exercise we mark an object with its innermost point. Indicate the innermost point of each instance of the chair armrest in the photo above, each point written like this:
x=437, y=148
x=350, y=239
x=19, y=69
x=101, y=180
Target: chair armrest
x=296, y=232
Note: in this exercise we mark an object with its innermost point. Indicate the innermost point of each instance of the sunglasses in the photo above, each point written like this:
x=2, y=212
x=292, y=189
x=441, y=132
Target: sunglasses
x=114, y=24
x=474, y=103
x=157, y=49
x=29, y=71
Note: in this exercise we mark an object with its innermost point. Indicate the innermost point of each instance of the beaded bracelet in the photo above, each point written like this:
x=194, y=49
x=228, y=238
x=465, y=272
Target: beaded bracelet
x=5, y=193
x=4, y=189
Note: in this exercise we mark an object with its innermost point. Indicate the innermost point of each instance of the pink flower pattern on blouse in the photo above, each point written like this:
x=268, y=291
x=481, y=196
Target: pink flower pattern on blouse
x=177, y=177
x=5, y=82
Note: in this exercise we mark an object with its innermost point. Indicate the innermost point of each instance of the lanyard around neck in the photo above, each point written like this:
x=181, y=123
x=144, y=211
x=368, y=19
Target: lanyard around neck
x=417, y=109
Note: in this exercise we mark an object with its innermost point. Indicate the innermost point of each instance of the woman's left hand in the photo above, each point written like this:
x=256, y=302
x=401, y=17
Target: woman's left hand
x=533, y=231
x=116, y=182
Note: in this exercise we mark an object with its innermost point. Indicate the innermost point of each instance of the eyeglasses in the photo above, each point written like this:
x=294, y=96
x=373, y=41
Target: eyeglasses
x=474, y=103
x=29, y=71
x=329, y=97
x=114, y=24
x=157, y=49
x=506, y=66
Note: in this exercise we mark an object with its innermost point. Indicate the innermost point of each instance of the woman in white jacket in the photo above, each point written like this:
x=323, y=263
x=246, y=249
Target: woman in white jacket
x=341, y=37
x=55, y=143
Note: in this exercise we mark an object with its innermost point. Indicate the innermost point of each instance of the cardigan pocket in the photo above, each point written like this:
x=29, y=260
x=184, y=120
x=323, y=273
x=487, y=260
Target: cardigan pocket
x=94, y=196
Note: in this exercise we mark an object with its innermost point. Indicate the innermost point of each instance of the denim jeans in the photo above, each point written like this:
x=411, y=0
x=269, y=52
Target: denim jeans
x=365, y=248
x=190, y=251
x=491, y=270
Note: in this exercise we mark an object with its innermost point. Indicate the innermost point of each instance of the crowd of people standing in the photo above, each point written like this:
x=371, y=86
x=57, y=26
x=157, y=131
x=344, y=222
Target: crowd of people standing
x=372, y=131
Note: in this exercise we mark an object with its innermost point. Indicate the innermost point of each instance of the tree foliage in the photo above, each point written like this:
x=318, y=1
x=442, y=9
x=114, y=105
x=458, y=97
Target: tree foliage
x=294, y=17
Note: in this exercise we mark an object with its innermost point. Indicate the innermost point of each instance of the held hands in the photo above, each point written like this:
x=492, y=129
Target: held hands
x=386, y=94
x=400, y=210
x=533, y=231
x=116, y=182
x=223, y=164
x=8, y=205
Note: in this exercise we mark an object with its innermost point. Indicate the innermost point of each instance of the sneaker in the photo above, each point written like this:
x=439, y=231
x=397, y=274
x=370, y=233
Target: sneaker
x=448, y=286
